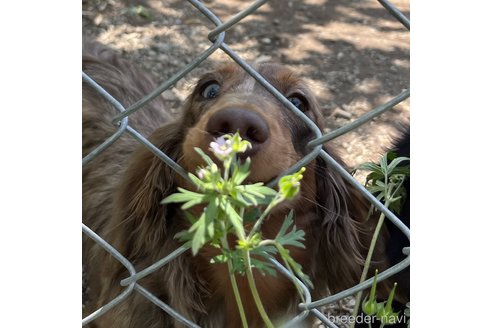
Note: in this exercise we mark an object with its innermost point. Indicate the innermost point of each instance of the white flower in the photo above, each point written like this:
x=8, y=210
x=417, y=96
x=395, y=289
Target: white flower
x=221, y=147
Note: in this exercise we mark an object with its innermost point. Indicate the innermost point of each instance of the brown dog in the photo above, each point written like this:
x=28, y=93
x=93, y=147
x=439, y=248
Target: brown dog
x=123, y=187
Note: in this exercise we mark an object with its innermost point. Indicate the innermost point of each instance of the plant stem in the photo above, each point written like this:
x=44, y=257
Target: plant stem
x=278, y=246
x=254, y=291
x=258, y=223
x=226, y=172
x=288, y=266
x=368, y=260
x=235, y=289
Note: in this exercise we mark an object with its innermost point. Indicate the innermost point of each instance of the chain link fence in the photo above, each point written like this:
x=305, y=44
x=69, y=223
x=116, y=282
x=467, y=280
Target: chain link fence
x=216, y=37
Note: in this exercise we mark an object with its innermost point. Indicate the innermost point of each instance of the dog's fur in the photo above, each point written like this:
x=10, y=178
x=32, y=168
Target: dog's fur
x=397, y=240
x=123, y=187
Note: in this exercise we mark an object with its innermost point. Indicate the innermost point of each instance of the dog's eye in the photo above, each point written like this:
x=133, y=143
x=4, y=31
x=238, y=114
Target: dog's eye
x=210, y=90
x=299, y=101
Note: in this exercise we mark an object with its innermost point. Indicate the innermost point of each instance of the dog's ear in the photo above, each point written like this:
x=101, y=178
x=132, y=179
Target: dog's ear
x=138, y=215
x=343, y=221
x=345, y=231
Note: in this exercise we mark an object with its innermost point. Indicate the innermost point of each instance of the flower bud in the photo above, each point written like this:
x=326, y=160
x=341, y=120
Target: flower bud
x=385, y=314
x=370, y=307
x=290, y=185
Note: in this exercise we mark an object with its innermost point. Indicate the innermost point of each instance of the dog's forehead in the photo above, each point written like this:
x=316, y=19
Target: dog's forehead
x=281, y=77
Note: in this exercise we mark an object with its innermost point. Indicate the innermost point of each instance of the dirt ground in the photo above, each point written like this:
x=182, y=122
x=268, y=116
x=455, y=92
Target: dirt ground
x=353, y=52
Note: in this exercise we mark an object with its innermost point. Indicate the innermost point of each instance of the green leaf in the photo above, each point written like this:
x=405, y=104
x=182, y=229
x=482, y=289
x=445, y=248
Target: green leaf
x=265, y=268
x=196, y=181
x=394, y=163
x=383, y=163
x=402, y=170
x=377, y=188
x=205, y=157
x=221, y=258
x=211, y=213
x=256, y=193
x=232, y=216
x=265, y=251
x=199, y=237
x=293, y=266
x=194, y=202
x=181, y=197
x=257, y=189
x=243, y=195
x=239, y=200
x=236, y=258
x=241, y=172
x=252, y=200
x=371, y=167
x=381, y=184
x=289, y=219
x=203, y=230
x=294, y=237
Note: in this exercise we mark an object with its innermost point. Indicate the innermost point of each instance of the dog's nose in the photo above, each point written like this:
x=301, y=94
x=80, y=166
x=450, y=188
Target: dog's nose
x=251, y=127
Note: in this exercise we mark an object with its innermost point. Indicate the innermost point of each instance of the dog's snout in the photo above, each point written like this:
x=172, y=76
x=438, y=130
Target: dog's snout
x=251, y=126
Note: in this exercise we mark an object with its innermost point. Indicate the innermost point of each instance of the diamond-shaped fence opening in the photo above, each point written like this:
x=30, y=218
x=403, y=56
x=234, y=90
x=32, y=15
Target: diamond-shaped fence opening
x=216, y=37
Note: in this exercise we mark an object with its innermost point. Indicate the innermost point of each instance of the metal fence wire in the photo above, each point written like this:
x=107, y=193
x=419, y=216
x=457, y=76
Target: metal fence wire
x=216, y=37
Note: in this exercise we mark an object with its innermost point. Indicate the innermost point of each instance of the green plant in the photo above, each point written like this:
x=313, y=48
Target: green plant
x=230, y=208
x=383, y=311
x=385, y=182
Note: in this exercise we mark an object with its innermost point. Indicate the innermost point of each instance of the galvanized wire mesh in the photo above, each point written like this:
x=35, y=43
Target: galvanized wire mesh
x=216, y=37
